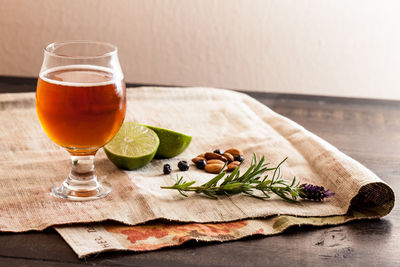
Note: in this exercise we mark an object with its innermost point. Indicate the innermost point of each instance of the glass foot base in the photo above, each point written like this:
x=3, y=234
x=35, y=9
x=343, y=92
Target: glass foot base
x=81, y=195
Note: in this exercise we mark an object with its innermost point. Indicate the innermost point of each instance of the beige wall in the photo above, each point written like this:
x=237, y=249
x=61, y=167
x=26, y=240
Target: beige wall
x=330, y=47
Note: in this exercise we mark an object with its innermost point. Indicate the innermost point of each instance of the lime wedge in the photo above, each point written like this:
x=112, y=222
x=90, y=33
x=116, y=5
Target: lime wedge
x=133, y=146
x=171, y=143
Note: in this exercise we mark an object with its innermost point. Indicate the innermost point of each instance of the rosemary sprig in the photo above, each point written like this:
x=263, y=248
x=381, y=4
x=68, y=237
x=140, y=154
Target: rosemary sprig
x=253, y=181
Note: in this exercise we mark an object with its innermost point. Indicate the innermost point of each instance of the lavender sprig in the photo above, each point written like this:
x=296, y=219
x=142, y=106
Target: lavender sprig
x=314, y=192
x=252, y=181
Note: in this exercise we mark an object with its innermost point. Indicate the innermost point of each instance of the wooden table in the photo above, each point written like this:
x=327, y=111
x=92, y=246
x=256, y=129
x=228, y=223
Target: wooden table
x=367, y=130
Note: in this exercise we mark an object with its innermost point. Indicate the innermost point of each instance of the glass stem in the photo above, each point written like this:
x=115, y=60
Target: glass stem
x=82, y=183
x=82, y=176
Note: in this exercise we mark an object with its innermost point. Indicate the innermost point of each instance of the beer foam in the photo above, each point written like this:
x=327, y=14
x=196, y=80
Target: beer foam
x=77, y=74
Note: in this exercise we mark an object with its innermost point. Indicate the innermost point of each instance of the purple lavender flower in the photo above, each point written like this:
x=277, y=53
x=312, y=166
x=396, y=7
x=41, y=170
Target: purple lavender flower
x=314, y=192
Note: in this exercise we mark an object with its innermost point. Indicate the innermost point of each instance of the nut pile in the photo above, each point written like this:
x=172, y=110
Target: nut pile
x=214, y=162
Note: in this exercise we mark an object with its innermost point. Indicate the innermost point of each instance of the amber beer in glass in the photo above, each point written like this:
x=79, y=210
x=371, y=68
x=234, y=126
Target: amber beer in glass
x=81, y=103
x=80, y=109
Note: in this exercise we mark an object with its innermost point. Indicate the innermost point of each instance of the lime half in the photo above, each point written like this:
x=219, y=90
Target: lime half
x=133, y=146
x=171, y=143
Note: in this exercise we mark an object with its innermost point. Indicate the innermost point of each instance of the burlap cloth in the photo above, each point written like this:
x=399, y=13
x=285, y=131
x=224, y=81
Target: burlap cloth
x=30, y=163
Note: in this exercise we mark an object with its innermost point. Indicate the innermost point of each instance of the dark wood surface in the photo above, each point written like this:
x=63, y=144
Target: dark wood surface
x=367, y=130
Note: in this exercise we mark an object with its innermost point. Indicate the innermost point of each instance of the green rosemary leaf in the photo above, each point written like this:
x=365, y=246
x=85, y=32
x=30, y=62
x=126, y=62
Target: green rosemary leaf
x=255, y=196
x=265, y=178
x=182, y=193
x=249, y=170
x=184, y=185
x=293, y=181
x=252, y=166
x=278, y=169
x=265, y=194
x=254, y=173
x=231, y=176
x=209, y=194
x=215, y=180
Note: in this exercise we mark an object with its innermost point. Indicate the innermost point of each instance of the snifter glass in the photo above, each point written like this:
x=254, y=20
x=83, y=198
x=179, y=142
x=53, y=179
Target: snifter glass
x=81, y=104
